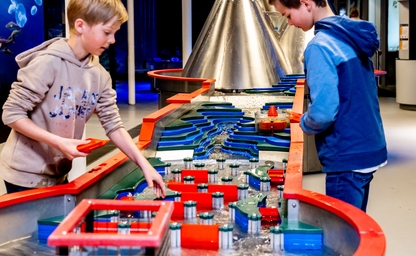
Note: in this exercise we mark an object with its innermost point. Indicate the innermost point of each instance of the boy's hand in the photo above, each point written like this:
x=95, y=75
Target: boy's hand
x=155, y=181
x=69, y=148
x=293, y=116
x=123, y=141
x=91, y=145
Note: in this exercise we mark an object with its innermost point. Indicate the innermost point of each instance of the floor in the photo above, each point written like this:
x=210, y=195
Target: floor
x=392, y=199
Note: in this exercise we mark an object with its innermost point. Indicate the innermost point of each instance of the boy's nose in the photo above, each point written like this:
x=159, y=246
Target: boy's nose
x=112, y=40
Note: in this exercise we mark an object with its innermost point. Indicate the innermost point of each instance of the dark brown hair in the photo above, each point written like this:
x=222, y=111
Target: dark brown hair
x=354, y=12
x=295, y=4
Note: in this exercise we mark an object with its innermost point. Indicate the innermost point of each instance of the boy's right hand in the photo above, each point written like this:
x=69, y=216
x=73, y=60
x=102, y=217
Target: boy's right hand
x=91, y=145
x=69, y=148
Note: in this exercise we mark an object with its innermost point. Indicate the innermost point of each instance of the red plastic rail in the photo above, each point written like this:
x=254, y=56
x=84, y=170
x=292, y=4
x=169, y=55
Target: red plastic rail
x=201, y=176
x=207, y=238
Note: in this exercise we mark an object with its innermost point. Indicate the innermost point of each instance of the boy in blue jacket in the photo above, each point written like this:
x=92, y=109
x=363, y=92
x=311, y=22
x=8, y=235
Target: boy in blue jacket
x=344, y=113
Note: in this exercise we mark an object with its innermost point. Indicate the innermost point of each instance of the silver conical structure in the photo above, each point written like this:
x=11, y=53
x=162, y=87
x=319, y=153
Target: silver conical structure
x=241, y=47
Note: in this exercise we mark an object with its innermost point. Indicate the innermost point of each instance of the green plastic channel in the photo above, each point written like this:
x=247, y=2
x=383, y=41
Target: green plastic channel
x=241, y=149
x=298, y=227
x=249, y=206
x=52, y=221
x=178, y=124
x=278, y=103
x=128, y=182
x=282, y=135
x=192, y=115
x=268, y=147
x=259, y=172
x=215, y=104
x=289, y=93
x=239, y=140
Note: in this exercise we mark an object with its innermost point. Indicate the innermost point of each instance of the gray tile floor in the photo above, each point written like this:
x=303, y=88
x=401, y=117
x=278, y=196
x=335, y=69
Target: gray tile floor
x=392, y=198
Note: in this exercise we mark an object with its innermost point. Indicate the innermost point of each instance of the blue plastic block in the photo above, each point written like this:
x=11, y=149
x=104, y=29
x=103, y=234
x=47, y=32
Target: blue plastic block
x=303, y=241
x=254, y=182
x=160, y=170
x=140, y=187
x=241, y=220
x=286, y=106
x=178, y=131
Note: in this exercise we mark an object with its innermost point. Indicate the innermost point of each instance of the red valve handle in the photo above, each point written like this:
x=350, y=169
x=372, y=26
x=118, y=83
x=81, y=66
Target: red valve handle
x=93, y=144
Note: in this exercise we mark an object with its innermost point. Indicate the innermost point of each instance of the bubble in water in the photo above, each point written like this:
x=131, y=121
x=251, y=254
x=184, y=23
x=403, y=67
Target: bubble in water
x=34, y=10
x=20, y=15
x=38, y=2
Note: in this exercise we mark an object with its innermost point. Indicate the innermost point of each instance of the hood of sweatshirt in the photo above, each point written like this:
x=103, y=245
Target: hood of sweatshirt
x=58, y=47
x=359, y=34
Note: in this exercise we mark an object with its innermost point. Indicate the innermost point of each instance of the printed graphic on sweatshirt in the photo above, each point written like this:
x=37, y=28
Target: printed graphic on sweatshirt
x=84, y=103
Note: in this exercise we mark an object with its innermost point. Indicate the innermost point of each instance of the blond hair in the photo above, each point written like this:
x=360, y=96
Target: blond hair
x=95, y=12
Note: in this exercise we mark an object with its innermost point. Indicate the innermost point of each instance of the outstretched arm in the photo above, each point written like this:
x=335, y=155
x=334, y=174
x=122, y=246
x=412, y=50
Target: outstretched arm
x=124, y=142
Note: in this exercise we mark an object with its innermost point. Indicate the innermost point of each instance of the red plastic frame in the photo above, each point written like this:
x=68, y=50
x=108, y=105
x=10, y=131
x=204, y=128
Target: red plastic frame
x=64, y=236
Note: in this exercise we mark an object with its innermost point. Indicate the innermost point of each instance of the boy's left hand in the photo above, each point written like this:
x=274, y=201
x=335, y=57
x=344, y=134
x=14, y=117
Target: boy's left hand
x=155, y=181
x=294, y=117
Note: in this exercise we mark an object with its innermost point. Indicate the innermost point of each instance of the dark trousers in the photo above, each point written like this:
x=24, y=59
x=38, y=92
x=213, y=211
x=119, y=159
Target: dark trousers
x=11, y=188
x=350, y=187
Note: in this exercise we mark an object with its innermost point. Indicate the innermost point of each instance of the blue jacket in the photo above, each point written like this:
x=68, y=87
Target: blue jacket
x=344, y=112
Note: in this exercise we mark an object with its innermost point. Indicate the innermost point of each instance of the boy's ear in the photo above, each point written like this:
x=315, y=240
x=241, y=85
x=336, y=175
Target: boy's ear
x=79, y=25
x=307, y=3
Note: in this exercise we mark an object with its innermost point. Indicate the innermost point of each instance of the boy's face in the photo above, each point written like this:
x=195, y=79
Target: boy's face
x=301, y=17
x=97, y=38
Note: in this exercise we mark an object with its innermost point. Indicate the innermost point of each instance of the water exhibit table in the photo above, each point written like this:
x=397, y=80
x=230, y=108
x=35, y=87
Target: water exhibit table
x=229, y=191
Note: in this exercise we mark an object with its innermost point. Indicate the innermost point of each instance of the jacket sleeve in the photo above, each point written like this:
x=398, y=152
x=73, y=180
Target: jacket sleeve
x=107, y=110
x=322, y=79
x=33, y=82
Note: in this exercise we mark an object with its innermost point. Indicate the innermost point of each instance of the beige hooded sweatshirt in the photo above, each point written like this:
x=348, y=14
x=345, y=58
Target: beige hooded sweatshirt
x=58, y=93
